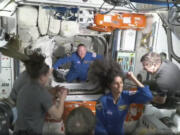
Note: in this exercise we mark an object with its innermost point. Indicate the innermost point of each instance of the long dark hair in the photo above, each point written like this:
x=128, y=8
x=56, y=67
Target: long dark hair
x=104, y=71
x=36, y=66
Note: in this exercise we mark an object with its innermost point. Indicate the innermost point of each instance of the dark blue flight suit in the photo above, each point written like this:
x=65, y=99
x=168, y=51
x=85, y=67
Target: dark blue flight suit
x=79, y=67
x=110, y=117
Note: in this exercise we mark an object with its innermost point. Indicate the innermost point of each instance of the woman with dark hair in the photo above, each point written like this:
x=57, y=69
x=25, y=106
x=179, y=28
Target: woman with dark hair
x=34, y=100
x=112, y=108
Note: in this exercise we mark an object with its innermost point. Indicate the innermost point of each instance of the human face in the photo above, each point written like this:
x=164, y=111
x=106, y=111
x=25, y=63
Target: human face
x=81, y=51
x=45, y=78
x=117, y=85
x=149, y=67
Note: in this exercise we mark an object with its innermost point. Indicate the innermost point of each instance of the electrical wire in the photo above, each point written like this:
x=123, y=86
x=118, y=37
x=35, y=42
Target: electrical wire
x=109, y=10
x=106, y=11
x=101, y=7
x=127, y=7
x=132, y=6
x=128, y=4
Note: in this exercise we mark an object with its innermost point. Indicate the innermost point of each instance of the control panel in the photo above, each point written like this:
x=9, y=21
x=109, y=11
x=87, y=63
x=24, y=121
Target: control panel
x=127, y=60
x=6, y=75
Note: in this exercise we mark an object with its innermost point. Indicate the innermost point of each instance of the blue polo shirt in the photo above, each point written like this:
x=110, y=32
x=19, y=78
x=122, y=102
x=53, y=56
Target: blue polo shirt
x=79, y=67
x=110, y=117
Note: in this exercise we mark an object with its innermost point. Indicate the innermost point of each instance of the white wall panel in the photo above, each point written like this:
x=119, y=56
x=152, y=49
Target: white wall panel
x=5, y=82
x=6, y=76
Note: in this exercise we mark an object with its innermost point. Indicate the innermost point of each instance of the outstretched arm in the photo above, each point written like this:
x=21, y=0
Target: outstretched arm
x=142, y=95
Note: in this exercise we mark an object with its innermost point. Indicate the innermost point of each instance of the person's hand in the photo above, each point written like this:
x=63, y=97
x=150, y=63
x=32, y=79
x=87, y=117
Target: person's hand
x=53, y=91
x=62, y=93
x=130, y=75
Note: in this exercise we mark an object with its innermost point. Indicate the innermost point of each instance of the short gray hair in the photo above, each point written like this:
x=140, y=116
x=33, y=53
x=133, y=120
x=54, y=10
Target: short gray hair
x=151, y=57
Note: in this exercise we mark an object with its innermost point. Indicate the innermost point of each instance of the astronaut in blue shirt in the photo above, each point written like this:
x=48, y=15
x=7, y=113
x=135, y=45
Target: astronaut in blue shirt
x=80, y=61
x=112, y=108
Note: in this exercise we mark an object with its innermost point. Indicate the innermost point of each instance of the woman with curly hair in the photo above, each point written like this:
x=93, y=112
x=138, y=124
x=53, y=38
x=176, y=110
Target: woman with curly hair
x=112, y=108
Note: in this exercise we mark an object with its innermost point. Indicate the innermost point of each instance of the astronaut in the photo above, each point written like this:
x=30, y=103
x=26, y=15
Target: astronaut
x=112, y=108
x=80, y=61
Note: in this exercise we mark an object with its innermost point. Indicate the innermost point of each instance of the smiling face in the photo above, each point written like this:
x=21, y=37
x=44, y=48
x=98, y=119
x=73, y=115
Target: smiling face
x=117, y=85
x=81, y=51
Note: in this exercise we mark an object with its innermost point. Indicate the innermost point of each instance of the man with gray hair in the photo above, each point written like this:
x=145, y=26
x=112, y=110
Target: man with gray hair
x=167, y=76
x=80, y=62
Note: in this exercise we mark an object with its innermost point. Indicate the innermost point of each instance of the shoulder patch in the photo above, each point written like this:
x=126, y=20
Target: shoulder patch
x=122, y=107
x=99, y=105
x=94, y=55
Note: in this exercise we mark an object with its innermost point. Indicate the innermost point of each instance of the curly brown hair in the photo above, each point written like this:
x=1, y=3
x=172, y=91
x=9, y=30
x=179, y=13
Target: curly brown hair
x=35, y=65
x=104, y=71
